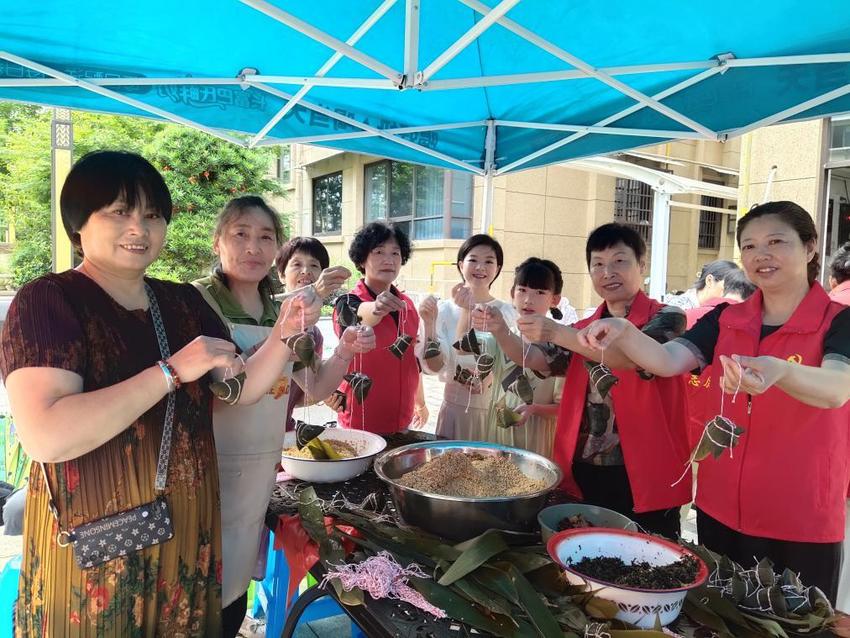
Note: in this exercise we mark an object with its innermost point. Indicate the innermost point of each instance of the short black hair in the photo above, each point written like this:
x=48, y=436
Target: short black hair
x=307, y=245
x=719, y=269
x=840, y=265
x=373, y=235
x=736, y=282
x=99, y=178
x=609, y=235
x=539, y=274
x=482, y=239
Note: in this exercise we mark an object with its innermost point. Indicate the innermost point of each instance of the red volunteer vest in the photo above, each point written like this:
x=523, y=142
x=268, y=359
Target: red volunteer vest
x=389, y=406
x=787, y=478
x=700, y=401
x=649, y=416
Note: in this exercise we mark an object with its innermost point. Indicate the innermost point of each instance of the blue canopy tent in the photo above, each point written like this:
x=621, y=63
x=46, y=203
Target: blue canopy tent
x=476, y=85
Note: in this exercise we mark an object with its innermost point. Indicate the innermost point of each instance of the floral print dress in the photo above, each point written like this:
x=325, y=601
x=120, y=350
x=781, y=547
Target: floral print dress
x=67, y=321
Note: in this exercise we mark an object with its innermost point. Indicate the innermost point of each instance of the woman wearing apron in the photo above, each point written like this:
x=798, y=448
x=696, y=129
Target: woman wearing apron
x=249, y=438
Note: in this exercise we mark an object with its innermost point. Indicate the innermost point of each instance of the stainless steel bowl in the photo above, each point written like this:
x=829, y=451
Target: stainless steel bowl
x=457, y=517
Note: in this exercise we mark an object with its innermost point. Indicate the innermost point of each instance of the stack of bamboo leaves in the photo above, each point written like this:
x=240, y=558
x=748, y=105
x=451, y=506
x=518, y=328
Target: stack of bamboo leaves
x=517, y=591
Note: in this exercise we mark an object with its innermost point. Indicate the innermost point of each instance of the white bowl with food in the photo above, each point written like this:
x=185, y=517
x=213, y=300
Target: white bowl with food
x=585, y=553
x=356, y=447
x=557, y=518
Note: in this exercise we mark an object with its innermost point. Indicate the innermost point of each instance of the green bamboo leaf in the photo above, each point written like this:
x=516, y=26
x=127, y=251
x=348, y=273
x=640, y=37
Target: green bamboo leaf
x=549, y=580
x=476, y=552
x=462, y=610
x=486, y=599
x=534, y=605
x=702, y=614
x=569, y=614
x=527, y=561
x=496, y=580
x=600, y=608
x=350, y=598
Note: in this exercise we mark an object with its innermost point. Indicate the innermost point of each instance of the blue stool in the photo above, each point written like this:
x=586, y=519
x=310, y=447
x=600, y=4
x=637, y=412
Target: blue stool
x=270, y=598
x=9, y=595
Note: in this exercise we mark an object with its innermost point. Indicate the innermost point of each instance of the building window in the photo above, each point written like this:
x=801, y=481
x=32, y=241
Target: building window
x=284, y=165
x=839, y=139
x=633, y=206
x=709, y=224
x=425, y=202
x=327, y=204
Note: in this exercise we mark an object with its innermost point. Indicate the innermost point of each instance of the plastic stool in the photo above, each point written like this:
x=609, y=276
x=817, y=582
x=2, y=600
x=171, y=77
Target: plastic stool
x=270, y=598
x=9, y=595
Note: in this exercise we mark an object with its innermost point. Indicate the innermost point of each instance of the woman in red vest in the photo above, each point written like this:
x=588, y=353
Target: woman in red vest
x=787, y=351
x=610, y=450
x=378, y=251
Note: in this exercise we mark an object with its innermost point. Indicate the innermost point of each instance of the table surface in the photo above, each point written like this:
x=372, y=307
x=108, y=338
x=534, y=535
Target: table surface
x=393, y=618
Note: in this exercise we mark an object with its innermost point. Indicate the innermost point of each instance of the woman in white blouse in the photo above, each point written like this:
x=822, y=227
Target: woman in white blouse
x=468, y=382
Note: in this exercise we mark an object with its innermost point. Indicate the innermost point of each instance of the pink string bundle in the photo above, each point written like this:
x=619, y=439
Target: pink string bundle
x=381, y=576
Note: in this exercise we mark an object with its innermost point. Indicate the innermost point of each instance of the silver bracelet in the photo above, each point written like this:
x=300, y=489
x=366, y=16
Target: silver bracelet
x=169, y=379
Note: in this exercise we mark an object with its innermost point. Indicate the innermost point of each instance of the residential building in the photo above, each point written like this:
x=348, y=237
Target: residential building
x=545, y=212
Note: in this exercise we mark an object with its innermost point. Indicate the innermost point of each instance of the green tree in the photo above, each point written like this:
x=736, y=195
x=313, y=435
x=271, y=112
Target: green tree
x=202, y=173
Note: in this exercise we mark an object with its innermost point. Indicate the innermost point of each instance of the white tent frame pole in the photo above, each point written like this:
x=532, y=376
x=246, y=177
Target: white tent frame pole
x=794, y=110
x=603, y=77
x=355, y=83
x=823, y=221
x=324, y=38
x=713, y=209
x=489, y=170
x=317, y=80
x=448, y=84
x=603, y=130
x=411, y=41
x=324, y=69
x=491, y=16
x=537, y=77
x=376, y=131
x=681, y=86
x=783, y=60
x=660, y=244
x=118, y=97
x=335, y=137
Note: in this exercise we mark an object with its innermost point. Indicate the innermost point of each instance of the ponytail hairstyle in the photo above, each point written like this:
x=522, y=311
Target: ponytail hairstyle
x=717, y=269
x=794, y=216
x=540, y=274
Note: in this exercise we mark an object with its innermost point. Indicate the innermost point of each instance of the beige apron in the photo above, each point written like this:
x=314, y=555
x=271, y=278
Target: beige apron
x=248, y=440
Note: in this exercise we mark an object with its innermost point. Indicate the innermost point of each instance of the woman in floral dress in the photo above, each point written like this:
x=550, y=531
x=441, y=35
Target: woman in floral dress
x=81, y=363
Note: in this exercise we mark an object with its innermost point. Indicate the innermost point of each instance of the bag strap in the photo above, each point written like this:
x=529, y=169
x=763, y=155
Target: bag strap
x=165, y=445
x=201, y=288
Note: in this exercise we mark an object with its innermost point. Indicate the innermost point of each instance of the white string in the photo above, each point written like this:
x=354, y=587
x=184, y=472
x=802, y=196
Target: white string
x=363, y=401
x=307, y=372
x=474, y=360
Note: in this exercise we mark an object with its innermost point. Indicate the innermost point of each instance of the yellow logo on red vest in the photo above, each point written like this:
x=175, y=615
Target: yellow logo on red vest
x=795, y=358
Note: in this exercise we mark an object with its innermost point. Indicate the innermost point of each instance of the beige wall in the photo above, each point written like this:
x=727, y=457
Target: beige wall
x=545, y=212
x=797, y=151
